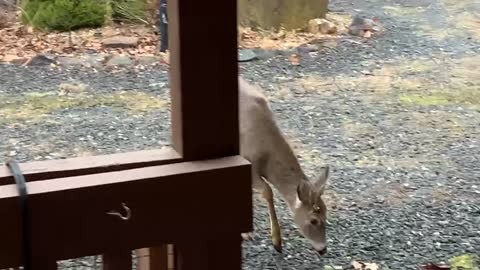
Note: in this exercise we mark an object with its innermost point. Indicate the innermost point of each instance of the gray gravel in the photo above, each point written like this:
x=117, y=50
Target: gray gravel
x=405, y=183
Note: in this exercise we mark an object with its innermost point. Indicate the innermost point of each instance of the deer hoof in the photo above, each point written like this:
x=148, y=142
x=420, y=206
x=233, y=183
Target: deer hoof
x=278, y=248
x=277, y=245
x=248, y=236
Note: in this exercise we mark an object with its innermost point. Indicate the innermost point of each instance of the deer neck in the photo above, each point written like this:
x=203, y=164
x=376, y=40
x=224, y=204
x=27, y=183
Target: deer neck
x=285, y=173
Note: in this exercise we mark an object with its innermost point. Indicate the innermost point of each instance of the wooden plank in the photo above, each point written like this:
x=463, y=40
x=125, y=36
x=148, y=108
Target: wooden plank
x=225, y=252
x=204, y=86
x=165, y=202
x=41, y=170
x=217, y=253
x=42, y=263
x=153, y=258
x=117, y=260
x=171, y=257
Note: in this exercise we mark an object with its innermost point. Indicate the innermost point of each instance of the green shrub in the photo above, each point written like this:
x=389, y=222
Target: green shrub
x=64, y=15
x=129, y=10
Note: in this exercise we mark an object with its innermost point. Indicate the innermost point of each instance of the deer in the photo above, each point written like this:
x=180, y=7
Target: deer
x=274, y=163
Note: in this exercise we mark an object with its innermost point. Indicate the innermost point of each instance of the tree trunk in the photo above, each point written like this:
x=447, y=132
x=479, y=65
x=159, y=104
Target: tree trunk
x=273, y=14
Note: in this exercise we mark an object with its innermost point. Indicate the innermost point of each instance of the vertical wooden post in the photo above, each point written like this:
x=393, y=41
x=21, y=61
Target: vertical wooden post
x=204, y=78
x=118, y=260
x=221, y=252
x=45, y=264
x=155, y=258
x=204, y=91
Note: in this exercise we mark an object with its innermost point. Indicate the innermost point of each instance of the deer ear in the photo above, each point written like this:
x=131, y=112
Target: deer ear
x=304, y=191
x=322, y=180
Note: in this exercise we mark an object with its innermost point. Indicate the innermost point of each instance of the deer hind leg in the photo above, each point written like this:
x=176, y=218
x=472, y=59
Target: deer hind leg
x=274, y=225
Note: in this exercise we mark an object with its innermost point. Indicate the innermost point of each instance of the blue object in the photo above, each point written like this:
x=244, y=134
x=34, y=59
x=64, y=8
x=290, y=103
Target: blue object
x=163, y=26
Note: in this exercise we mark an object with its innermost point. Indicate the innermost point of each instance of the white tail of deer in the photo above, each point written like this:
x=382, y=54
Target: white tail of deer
x=274, y=162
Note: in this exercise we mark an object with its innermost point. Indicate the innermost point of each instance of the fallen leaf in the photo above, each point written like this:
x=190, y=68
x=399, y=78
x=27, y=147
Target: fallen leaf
x=295, y=59
x=365, y=266
x=357, y=265
x=8, y=58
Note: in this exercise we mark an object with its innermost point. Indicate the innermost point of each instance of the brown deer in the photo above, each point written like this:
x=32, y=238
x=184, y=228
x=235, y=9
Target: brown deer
x=274, y=162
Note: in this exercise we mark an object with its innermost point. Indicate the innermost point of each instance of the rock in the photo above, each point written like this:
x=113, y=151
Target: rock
x=41, y=60
x=6, y=18
x=8, y=5
x=70, y=61
x=246, y=55
x=18, y=61
x=307, y=48
x=13, y=59
x=363, y=27
x=280, y=35
x=119, y=60
x=148, y=60
x=120, y=42
x=265, y=54
x=323, y=26
x=95, y=60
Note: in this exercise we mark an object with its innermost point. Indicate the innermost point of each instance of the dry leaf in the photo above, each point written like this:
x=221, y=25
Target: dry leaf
x=25, y=42
x=365, y=266
x=295, y=59
x=357, y=265
x=8, y=58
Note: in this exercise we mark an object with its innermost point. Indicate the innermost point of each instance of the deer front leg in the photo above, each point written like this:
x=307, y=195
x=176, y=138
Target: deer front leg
x=274, y=225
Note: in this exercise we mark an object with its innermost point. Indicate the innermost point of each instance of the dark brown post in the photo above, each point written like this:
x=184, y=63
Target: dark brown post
x=204, y=78
x=219, y=252
x=205, y=101
x=117, y=260
x=204, y=85
x=155, y=258
x=45, y=264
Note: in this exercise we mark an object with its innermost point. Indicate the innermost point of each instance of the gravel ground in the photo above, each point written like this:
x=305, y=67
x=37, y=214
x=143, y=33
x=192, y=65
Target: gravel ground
x=397, y=117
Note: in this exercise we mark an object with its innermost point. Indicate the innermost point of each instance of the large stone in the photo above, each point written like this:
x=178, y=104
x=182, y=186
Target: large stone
x=245, y=55
x=321, y=26
x=120, y=42
x=120, y=60
x=95, y=60
x=8, y=5
x=290, y=14
x=362, y=26
x=70, y=61
x=147, y=60
x=41, y=60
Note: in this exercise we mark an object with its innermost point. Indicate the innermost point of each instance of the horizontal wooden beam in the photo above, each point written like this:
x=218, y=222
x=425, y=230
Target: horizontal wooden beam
x=168, y=203
x=40, y=170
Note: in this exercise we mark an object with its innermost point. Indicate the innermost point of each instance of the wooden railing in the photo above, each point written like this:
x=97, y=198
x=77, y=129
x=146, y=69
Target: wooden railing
x=195, y=197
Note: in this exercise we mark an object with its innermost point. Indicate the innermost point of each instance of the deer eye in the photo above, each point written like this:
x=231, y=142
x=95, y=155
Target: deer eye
x=314, y=221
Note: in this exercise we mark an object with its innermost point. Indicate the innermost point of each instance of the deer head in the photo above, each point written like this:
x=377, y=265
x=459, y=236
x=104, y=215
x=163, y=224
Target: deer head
x=310, y=212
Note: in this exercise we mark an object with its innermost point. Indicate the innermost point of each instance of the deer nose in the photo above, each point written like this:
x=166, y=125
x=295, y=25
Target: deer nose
x=323, y=251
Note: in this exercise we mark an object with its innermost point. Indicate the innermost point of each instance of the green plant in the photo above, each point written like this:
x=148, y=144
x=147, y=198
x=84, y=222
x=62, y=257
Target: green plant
x=129, y=10
x=64, y=15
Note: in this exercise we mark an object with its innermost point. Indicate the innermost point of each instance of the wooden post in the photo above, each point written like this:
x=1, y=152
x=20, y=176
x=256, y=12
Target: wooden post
x=118, y=260
x=155, y=258
x=45, y=264
x=217, y=253
x=204, y=104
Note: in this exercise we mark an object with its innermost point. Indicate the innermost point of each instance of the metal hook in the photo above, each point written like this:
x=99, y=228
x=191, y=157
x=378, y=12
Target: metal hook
x=127, y=210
